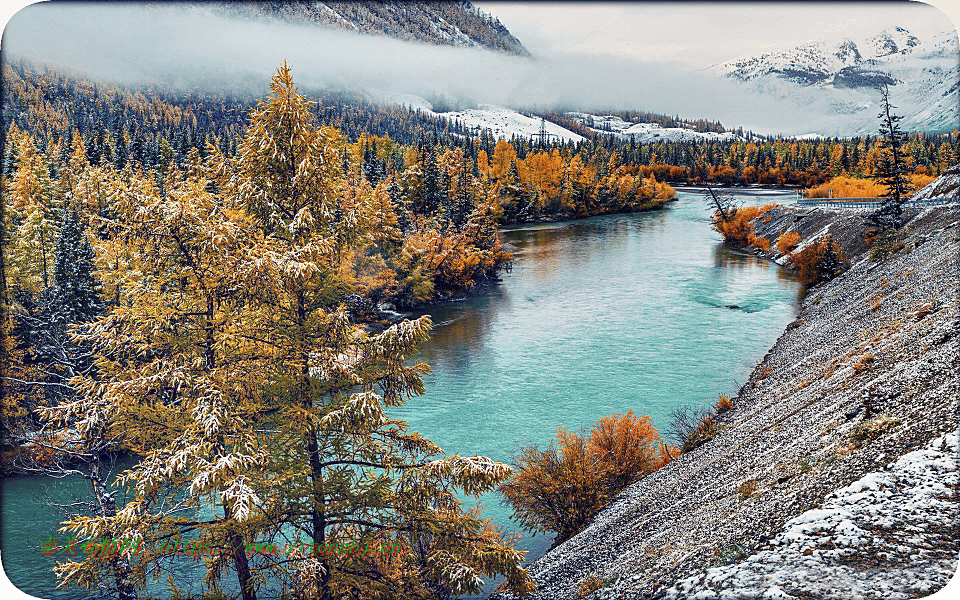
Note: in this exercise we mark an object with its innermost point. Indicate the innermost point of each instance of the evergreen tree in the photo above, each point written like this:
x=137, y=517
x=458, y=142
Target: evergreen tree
x=75, y=297
x=892, y=169
x=829, y=264
x=431, y=184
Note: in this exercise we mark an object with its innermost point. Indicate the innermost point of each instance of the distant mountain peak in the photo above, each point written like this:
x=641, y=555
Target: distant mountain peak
x=848, y=52
x=841, y=75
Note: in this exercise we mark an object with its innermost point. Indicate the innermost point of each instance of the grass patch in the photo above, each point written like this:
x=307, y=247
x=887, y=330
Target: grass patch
x=868, y=431
x=591, y=583
x=729, y=555
x=863, y=363
x=747, y=488
x=887, y=244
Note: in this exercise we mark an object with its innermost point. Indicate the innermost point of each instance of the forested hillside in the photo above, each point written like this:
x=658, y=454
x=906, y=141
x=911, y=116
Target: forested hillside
x=81, y=160
x=441, y=23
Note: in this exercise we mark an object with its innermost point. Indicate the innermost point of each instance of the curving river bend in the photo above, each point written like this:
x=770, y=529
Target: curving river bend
x=599, y=316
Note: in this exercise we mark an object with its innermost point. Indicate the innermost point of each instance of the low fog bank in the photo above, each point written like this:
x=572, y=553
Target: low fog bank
x=192, y=48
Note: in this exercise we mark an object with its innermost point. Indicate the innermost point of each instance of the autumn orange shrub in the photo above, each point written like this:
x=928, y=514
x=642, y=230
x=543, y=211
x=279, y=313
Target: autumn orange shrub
x=919, y=180
x=848, y=187
x=737, y=228
x=724, y=403
x=788, y=241
x=819, y=261
x=431, y=260
x=858, y=187
x=758, y=242
x=626, y=448
x=562, y=487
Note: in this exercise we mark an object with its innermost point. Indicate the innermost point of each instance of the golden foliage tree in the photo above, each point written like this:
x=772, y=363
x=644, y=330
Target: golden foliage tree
x=259, y=409
x=562, y=487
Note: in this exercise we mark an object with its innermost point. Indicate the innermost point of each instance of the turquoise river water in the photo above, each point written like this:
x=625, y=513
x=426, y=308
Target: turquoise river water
x=598, y=316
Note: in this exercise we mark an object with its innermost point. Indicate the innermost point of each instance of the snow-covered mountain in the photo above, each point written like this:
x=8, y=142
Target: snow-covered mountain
x=441, y=23
x=837, y=79
x=644, y=133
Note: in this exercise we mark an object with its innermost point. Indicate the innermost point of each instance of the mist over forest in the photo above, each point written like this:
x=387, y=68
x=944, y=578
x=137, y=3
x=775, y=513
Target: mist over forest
x=191, y=47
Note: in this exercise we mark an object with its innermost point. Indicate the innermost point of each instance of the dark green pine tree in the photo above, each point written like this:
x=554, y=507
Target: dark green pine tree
x=10, y=158
x=462, y=204
x=76, y=295
x=120, y=153
x=892, y=170
x=136, y=152
x=401, y=203
x=373, y=168
x=94, y=142
x=72, y=298
x=829, y=265
x=431, y=184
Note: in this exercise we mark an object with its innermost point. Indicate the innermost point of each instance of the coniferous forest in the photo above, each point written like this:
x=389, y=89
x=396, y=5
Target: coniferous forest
x=197, y=280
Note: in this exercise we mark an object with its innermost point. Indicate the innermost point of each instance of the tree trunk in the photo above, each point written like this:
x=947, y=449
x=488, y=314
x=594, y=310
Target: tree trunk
x=241, y=563
x=108, y=508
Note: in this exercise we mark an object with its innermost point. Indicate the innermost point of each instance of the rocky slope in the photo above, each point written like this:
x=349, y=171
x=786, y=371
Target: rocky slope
x=947, y=185
x=440, y=23
x=836, y=474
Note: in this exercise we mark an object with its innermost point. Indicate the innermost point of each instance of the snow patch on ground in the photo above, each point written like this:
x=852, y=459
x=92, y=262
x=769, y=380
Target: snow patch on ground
x=504, y=123
x=644, y=132
x=501, y=122
x=870, y=539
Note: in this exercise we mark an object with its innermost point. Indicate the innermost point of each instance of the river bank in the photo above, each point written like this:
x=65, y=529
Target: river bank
x=598, y=316
x=836, y=471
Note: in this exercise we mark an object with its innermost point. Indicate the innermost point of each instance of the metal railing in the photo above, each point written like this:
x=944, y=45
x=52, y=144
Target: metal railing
x=872, y=202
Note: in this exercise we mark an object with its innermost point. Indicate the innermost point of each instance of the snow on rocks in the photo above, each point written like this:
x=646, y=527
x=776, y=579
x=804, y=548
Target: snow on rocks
x=947, y=185
x=848, y=544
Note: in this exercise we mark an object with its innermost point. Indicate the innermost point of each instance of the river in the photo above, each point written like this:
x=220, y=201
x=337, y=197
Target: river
x=597, y=316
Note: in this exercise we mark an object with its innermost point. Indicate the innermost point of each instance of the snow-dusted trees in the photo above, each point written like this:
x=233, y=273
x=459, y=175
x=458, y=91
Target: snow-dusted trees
x=231, y=367
x=340, y=470
x=32, y=218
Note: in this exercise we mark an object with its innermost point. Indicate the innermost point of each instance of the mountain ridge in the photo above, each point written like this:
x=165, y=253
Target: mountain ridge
x=839, y=77
x=458, y=24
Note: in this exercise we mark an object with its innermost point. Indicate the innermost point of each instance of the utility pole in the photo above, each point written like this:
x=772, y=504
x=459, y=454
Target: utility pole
x=543, y=137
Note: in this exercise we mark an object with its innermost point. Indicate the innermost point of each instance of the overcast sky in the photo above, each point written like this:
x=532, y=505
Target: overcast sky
x=701, y=34
x=643, y=56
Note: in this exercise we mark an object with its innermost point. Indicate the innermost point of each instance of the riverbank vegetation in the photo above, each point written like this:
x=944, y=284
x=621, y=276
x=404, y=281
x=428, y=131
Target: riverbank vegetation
x=562, y=487
x=815, y=262
x=735, y=225
x=210, y=338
